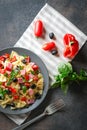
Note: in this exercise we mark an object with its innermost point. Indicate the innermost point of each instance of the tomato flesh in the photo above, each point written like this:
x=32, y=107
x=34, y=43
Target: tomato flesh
x=9, y=67
x=2, y=71
x=35, y=67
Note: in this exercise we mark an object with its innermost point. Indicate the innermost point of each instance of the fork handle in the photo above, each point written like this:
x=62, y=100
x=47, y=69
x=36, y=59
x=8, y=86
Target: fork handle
x=21, y=127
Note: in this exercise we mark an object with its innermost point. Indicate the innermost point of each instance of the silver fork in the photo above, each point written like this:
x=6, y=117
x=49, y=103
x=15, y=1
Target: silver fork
x=49, y=110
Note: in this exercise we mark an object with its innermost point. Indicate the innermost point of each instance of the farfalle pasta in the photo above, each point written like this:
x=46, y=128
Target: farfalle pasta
x=21, y=81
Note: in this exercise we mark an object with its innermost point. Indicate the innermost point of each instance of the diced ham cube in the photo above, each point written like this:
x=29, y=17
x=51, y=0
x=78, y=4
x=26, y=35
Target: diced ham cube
x=31, y=76
x=20, y=80
x=31, y=91
x=30, y=101
x=32, y=63
x=23, y=72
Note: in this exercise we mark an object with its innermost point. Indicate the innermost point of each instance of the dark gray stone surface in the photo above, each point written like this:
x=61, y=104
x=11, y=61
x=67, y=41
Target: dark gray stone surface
x=15, y=16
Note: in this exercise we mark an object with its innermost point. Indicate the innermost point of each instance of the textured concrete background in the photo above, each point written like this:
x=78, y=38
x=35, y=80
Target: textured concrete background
x=15, y=17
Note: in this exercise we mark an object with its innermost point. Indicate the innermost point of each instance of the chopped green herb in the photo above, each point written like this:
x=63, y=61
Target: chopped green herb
x=1, y=90
x=24, y=56
x=24, y=88
x=1, y=96
x=12, y=76
x=32, y=72
x=2, y=93
x=6, y=75
x=21, y=67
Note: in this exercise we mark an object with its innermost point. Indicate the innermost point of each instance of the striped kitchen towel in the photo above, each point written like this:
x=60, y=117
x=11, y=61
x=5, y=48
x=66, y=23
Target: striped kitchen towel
x=53, y=21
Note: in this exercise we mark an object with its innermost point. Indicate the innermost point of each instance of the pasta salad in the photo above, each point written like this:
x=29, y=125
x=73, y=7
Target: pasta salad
x=21, y=81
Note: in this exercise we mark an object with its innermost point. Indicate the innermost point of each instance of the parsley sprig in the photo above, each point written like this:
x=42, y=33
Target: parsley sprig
x=66, y=76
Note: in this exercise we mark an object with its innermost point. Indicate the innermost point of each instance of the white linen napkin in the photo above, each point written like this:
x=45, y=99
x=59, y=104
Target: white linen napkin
x=54, y=22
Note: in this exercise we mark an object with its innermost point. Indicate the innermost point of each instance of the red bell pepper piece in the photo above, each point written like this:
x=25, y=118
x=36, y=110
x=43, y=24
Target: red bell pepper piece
x=67, y=38
x=71, y=45
x=13, y=90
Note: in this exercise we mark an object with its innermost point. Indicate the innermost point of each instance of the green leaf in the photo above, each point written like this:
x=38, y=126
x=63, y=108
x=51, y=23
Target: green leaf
x=64, y=87
x=66, y=75
x=73, y=76
x=55, y=85
x=83, y=72
x=65, y=68
x=57, y=77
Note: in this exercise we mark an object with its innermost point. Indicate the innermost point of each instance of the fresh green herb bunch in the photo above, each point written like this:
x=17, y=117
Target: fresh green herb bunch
x=66, y=76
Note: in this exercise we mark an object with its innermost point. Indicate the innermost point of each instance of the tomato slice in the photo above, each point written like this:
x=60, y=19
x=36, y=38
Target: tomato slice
x=15, y=97
x=2, y=71
x=1, y=66
x=27, y=84
x=27, y=59
x=2, y=58
x=9, y=67
x=23, y=98
x=6, y=55
x=35, y=78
